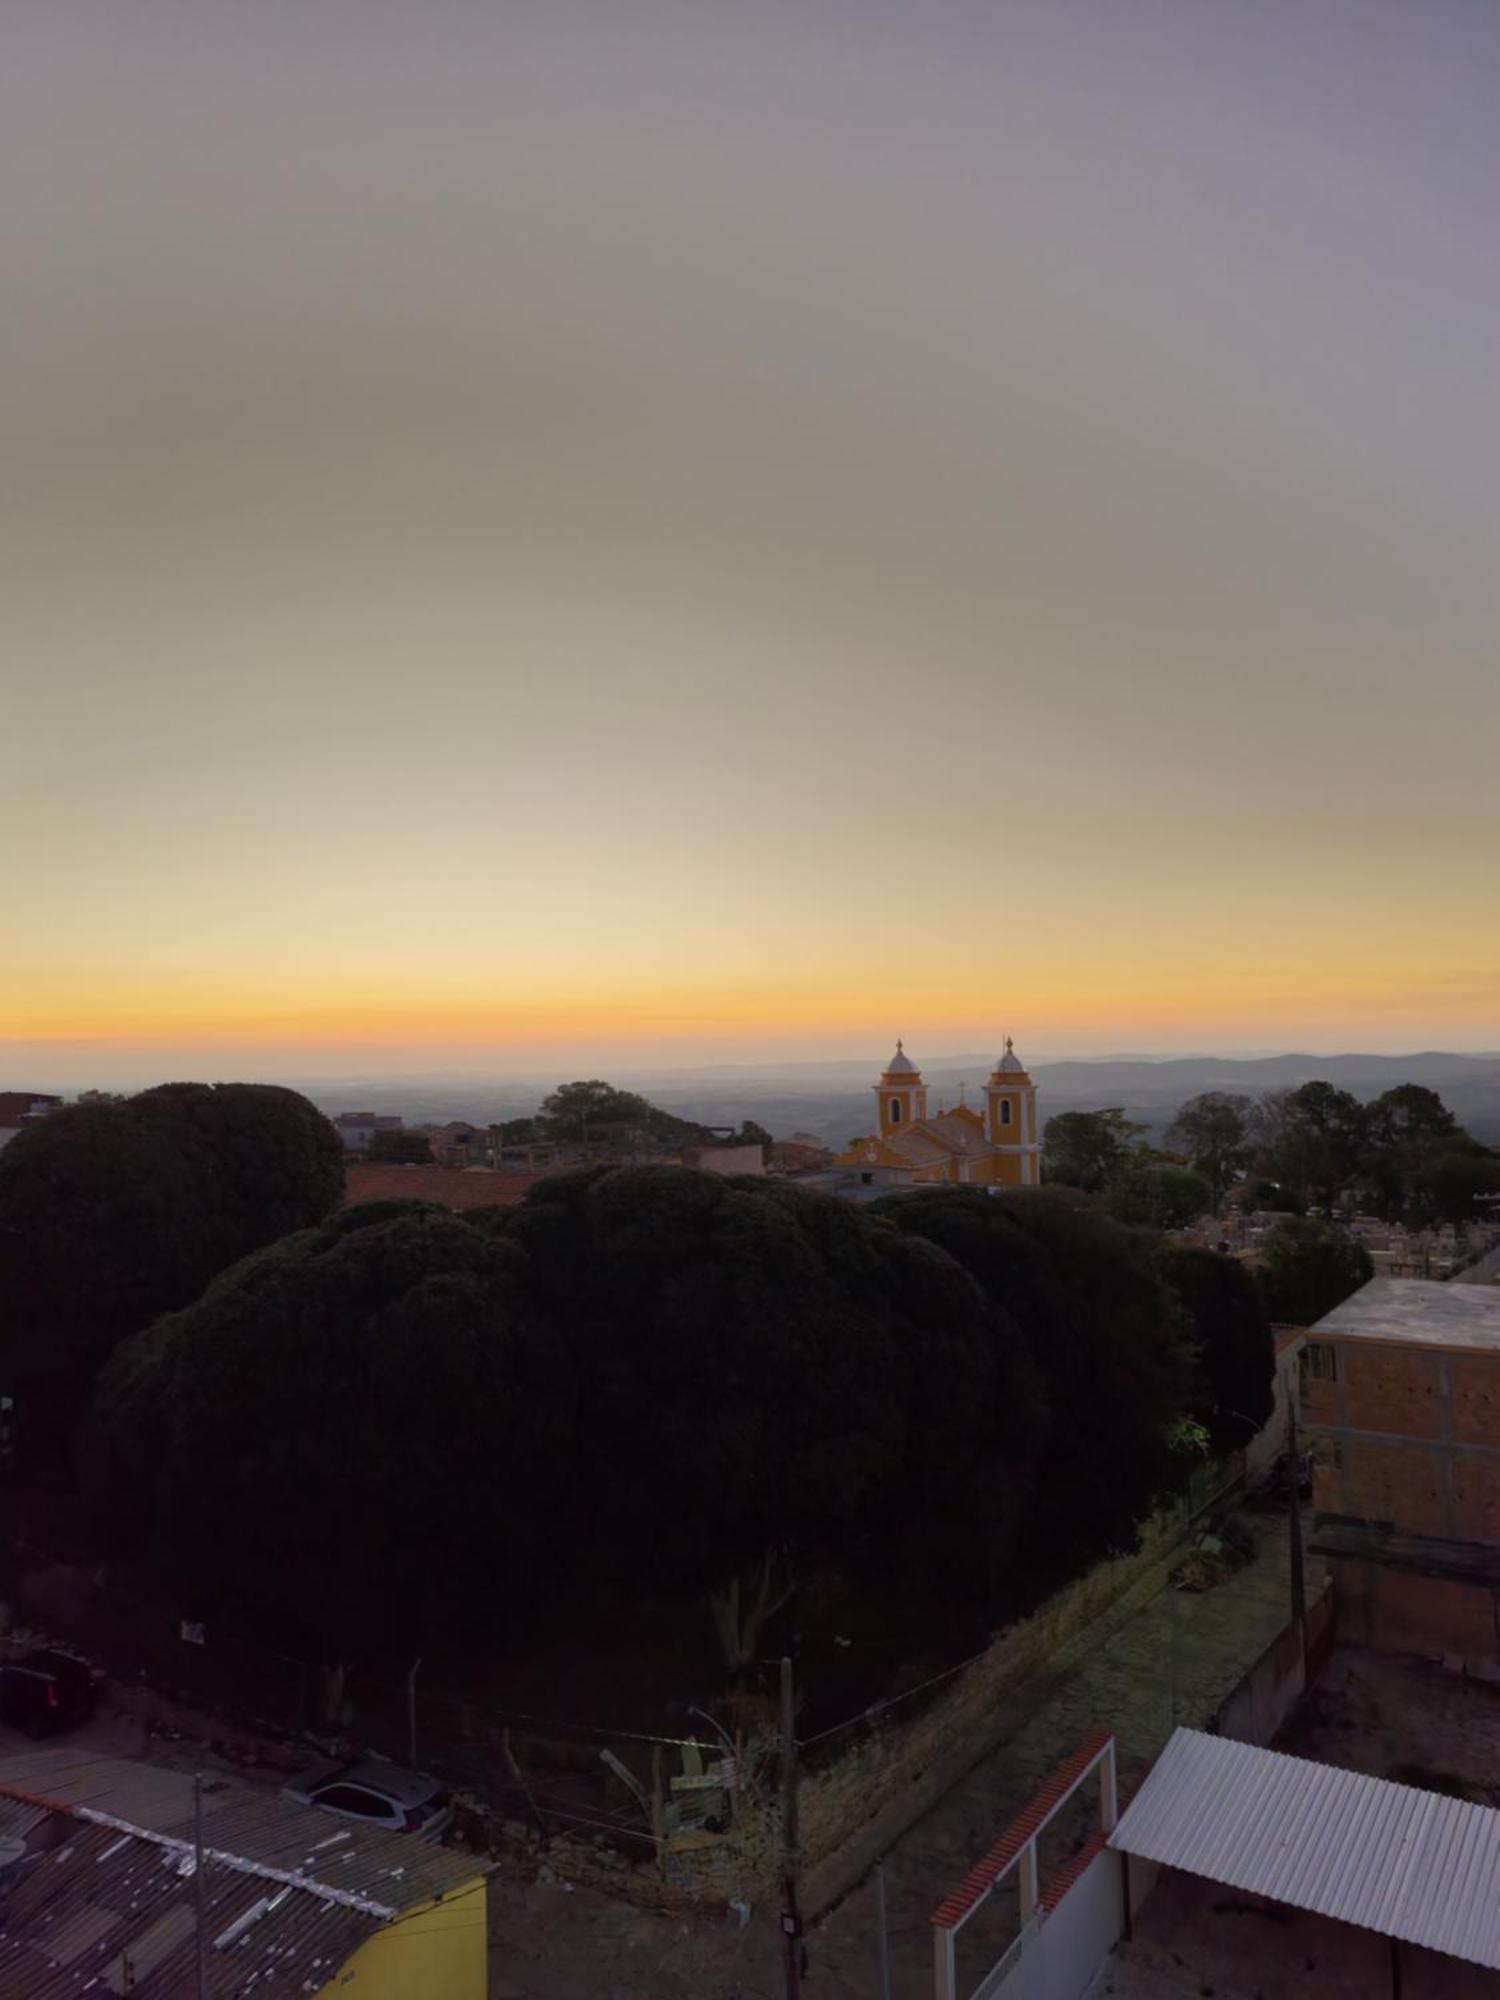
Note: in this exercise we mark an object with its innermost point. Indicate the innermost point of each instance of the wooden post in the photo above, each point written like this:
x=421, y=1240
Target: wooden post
x=791, y=1917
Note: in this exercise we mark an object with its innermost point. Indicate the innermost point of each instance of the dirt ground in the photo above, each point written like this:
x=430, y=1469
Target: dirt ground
x=1197, y=1941
x=1404, y=1719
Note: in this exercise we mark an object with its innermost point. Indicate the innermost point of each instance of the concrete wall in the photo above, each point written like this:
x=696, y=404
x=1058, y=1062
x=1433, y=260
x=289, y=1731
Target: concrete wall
x=1268, y=1693
x=1396, y=1611
x=1069, y=1944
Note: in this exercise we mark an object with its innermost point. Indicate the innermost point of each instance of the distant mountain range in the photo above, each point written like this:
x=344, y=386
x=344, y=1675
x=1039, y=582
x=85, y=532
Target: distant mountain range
x=833, y=1099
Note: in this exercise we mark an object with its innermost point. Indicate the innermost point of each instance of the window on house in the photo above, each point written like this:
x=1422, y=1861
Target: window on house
x=867, y=1180
x=1005, y=1109
x=1322, y=1362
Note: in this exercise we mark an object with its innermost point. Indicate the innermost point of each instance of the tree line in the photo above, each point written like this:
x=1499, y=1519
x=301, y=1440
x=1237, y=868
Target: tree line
x=379, y=1428
x=588, y=1113
x=1403, y=1157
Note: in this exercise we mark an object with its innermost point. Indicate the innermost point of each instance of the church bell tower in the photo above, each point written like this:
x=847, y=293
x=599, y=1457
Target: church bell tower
x=900, y=1094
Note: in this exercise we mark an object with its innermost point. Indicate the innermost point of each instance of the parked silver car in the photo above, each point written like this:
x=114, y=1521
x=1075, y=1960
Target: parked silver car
x=378, y=1794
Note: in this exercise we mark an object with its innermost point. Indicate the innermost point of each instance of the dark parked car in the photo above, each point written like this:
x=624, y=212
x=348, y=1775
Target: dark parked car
x=44, y=1692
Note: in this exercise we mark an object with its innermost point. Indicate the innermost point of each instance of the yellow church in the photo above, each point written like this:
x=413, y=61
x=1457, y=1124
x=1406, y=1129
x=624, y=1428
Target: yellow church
x=995, y=1147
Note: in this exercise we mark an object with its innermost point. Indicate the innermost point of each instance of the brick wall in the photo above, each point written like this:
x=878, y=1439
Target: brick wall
x=1409, y=1436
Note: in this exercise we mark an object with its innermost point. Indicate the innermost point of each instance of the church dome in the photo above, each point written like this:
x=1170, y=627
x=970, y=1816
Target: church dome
x=1010, y=1064
x=901, y=1064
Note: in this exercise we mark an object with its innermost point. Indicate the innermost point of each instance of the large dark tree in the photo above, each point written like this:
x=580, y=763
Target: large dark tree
x=1155, y=1194
x=1089, y=1149
x=1232, y=1338
x=1312, y=1139
x=761, y=1377
x=1212, y=1129
x=344, y=1440
x=112, y=1213
x=1307, y=1268
x=1105, y=1336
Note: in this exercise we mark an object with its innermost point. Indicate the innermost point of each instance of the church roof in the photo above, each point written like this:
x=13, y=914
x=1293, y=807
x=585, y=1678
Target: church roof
x=901, y=1064
x=951, y=1134
x=1010, y=1064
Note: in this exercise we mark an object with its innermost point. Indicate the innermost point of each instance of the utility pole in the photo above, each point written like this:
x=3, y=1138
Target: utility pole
x=791, y=1918
x=199, y=1899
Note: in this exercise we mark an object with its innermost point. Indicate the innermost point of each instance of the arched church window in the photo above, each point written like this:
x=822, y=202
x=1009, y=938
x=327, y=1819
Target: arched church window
x=895, y=1110
x=1005, y=1111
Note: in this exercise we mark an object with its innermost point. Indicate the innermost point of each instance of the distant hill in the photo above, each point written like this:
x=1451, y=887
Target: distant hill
x=834, y=1099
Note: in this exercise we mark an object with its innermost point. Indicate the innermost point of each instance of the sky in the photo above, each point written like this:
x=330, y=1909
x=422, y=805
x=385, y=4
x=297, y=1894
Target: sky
x=543, y=533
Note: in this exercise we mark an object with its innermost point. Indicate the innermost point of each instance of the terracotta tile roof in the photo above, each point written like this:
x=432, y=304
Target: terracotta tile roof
x=451, y=1187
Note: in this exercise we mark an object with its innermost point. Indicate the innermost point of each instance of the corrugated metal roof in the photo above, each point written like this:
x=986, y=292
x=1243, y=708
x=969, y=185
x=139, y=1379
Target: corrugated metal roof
x=256, y=1822
x=1407, y=1863
x=99, y=1912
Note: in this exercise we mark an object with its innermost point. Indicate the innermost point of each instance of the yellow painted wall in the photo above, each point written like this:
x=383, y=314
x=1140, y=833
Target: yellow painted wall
x=440, y=1952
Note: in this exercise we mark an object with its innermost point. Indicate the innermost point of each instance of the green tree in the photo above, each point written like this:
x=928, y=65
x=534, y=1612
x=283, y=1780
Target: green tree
x=1154, y=1194
x=1307, y=1268
x=1231, y=1336
x=1408, y=1114
x=1104, y=1336
x=1453, y=1182
x=751, y=1134
x=594, y=1112
x=403, y=1148
x=345, y=1443
x=1089, y=1149
x=762, y=1377
x=1313, y=1140
x=1420, y=1166
x=114, y=1213
x=1213, y=1130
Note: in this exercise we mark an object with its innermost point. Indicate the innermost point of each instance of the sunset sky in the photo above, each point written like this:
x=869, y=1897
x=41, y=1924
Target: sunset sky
x=550, y=533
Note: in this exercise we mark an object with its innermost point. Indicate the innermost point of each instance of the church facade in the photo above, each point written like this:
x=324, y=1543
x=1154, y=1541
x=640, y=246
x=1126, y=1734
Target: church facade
x=996, y=1146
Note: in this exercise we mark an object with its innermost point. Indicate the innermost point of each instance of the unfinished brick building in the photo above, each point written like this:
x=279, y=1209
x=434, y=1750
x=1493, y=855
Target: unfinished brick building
x=1401, y=1403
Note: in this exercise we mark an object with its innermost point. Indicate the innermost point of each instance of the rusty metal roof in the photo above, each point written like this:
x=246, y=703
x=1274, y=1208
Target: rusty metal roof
x=99, y=1912
x=1390, y=1858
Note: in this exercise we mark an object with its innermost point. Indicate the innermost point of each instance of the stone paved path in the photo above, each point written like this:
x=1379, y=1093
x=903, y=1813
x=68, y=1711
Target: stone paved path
x=1174, y=1657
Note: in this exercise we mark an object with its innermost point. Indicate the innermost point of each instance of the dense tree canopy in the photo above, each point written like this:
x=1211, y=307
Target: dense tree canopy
x=1307, y=1268
x=1155, y=1194
x=1103, y=1334
x=644, y=1382
x=114, y=1212
x=1231, y=1335
x=1312, y=1140
x=757, y=1368
x=345, y=1436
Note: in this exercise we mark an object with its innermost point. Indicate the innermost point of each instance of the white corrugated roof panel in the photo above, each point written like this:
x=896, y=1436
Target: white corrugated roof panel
x=1406, y=1863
